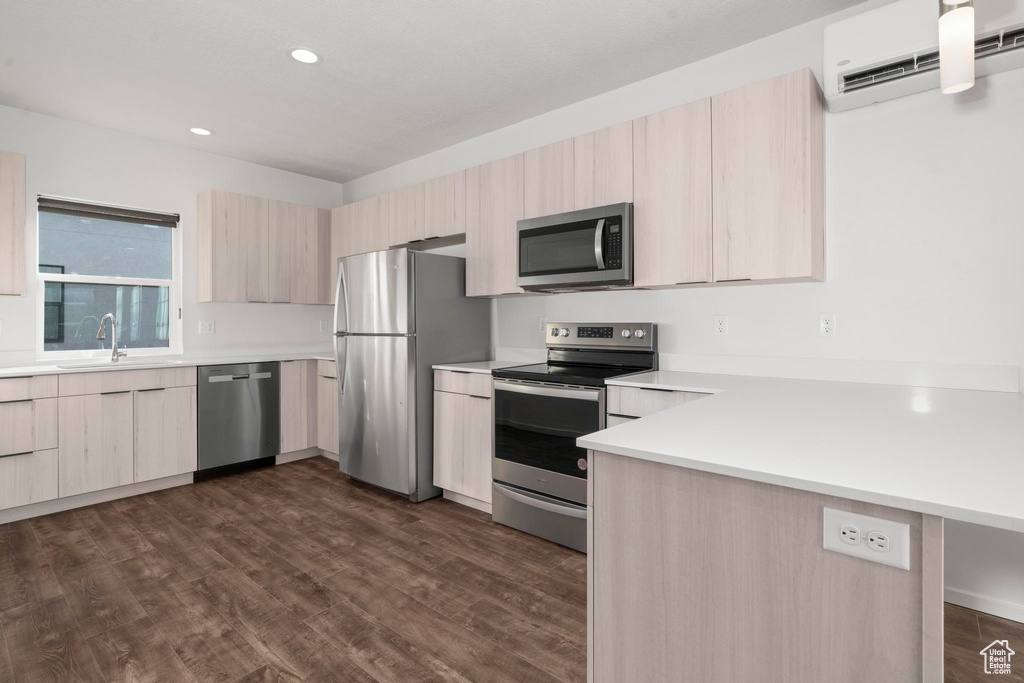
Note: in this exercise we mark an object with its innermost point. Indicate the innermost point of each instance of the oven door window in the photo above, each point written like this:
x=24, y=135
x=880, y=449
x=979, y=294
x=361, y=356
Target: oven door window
x=558, y=249
x=540, y=430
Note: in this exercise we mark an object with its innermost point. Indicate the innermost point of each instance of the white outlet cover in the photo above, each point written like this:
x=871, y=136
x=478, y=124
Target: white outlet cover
x=898, y=554
x=720, y=326
x=207, y=327
x=323, y=325
x=827, y=325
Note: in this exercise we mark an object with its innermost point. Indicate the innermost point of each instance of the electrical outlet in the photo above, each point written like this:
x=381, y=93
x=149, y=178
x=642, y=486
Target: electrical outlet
x=878, y=541
x=849, y=534
x=323, y=325
x=887, y=542
x=207, y=327
x=721, y=326
x=542, y=324
x=827, y=325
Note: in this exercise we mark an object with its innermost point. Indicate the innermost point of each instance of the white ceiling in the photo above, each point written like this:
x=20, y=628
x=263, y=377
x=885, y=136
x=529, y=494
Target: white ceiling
x=398, y=78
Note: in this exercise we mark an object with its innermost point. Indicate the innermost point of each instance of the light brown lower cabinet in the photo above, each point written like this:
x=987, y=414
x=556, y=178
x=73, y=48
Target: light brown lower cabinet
x=96, y=442
x=165, y=432
x=298, y=405
x=695, y=576
x=462, y=444
x=28, y=426
x=27, y=478
x=327, y=414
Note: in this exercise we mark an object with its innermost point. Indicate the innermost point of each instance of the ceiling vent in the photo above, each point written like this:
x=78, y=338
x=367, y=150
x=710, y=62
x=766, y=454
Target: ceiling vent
x=894, y=50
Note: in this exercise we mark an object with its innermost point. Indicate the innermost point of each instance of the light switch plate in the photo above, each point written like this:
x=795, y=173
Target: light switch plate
x=897, y=535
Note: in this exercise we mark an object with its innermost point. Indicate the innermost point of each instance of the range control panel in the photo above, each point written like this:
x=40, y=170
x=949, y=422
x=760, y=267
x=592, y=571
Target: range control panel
x=602, y=335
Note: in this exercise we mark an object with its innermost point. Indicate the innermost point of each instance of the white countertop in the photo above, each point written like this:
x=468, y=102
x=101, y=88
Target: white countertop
x=481, y=366
x=147, y=362
x=953, y=453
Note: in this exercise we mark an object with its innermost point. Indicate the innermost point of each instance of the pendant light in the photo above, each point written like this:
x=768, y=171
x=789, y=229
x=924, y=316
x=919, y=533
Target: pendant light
x=956, y=45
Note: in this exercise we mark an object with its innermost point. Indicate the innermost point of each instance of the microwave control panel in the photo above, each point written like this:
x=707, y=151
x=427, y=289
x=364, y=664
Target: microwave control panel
x=613, y=243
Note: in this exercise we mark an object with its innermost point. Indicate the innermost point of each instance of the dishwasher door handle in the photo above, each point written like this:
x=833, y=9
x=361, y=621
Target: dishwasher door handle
x=231, y=378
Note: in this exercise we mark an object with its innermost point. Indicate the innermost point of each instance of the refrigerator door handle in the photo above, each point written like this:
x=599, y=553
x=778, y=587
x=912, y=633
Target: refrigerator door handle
x=341, y=299
x=341, y=361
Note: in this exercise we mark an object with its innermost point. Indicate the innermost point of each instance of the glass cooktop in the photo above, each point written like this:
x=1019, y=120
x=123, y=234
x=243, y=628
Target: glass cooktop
x=582, y=375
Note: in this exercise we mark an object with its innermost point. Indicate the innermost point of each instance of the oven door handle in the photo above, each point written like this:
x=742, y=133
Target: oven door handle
x=599, y=244
x=555, y=392
x=541, y=502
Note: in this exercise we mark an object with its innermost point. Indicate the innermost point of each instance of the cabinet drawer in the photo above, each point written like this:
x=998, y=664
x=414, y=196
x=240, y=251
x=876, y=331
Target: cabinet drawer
x=635, y=402
x=615, y=420
x=28, y=426
x=473, y=383
x=28, y=478
x=327, y=368
x=113, y=381
x=24, y=388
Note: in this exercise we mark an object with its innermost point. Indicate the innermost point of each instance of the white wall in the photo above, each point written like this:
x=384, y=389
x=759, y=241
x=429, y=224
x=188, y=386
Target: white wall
x=75, y=160
x=925, y=236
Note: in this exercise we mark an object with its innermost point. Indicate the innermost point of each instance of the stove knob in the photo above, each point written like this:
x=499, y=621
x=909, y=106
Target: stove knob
x=639, y=334
x=554, y=331
x=565, y=331
x=626, y=334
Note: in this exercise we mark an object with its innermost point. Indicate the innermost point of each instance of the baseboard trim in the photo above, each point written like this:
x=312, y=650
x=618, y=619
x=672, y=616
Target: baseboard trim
x=286, y=458
x=329, y=455
x=983, y=603
x=62, y=504
x=467, y=501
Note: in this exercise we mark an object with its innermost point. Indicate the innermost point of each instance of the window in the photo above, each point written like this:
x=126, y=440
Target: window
x=95, y=260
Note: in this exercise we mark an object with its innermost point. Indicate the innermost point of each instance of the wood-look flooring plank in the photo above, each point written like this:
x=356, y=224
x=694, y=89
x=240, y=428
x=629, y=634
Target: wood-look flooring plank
x=99, y=600
x=116, y=538
x=295, y=589
x=518, y=566
x=339, y=499
x=473, y=656
x=538, y=608
x=25, y=573
x=137, y=652
x=257, y=494
x=427, y=587
x=6, y=672
x=269, y=674
x=206, y=643
x=378, y=650
x=185, y=508
x=44, y=643
x=393, y=539
x=551, y=652
x=191, y=556
x=298, y=647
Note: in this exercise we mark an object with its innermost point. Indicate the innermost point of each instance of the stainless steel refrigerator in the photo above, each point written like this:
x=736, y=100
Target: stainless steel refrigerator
x=399, y=312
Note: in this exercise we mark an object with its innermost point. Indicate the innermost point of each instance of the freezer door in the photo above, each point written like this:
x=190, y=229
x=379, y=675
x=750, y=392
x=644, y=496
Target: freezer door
x=376, y=410
x=374, y=294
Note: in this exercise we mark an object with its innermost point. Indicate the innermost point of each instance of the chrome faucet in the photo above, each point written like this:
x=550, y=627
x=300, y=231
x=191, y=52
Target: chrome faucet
x=115, y=354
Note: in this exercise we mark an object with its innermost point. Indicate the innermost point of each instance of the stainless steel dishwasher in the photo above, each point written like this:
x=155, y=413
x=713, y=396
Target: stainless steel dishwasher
x=239, y=413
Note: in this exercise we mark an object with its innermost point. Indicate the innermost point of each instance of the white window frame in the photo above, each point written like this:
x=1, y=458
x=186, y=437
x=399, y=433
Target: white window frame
x=174, y=312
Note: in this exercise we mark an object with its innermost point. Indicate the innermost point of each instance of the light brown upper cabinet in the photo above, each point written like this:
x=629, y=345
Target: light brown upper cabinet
x=548, y=179
x=357, y=228
x=603, y=166
x=444, y=205
x=233, y=237
x=12, y=223
x=406, y=215
x=494, y=202
x=300, y=254
x=672, y=196
x=768, y=142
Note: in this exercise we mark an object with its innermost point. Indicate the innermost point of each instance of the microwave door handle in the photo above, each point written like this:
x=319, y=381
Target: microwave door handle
x=599, y=244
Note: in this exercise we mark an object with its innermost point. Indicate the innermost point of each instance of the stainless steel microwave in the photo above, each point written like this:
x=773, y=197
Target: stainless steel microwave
x=589, y=248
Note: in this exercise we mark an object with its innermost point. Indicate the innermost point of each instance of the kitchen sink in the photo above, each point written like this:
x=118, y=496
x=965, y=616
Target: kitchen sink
x=121, y=364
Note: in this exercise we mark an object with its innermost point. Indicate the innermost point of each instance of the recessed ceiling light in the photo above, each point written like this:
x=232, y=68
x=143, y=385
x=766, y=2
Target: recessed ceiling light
x=301, y=54
x=200, y=131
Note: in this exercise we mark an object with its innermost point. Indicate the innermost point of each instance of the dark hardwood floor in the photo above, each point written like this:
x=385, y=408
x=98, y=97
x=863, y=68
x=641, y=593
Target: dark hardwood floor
x=296, y=573
x=292, y=573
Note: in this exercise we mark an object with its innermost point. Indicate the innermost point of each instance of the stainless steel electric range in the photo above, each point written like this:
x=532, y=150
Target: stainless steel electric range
x=540, y=475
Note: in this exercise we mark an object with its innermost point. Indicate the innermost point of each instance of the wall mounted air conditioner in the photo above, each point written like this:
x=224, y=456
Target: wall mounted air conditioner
x=893, y=50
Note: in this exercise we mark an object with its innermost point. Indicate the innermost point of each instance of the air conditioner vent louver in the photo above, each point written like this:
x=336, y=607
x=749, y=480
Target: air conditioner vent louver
x=910, y=65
